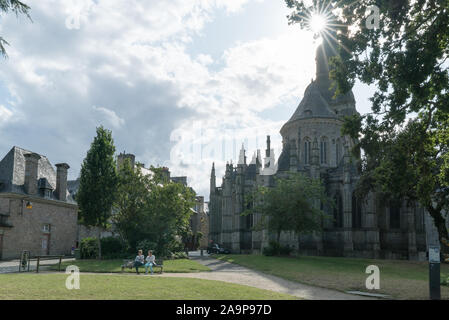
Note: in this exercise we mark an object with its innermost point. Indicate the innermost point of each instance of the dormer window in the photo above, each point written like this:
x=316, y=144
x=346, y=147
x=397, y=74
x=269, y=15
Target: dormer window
x=47, y=193
x=45, y=188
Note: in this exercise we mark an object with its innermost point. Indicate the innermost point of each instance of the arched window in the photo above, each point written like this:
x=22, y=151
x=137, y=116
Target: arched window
x=338, y=151
x=356, y=212
x=338, y=210
x=395, y=214
x=307, y=149
x=249, y=217
x=323, y=150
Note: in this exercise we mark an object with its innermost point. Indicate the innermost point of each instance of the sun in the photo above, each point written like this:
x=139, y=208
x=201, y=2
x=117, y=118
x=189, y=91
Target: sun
x=317, y=23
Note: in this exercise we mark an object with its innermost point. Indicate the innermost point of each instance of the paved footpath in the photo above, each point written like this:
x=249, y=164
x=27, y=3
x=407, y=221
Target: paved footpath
x=230, y=272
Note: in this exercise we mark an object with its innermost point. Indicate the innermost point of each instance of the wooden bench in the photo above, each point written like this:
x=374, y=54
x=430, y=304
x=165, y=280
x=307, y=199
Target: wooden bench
x=130, y=265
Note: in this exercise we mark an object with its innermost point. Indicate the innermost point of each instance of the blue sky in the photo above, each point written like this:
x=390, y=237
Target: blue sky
x=180, y=83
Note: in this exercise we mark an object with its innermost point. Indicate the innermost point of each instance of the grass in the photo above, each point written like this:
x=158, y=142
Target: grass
x=398, y=278
x=108, y=266
x=51, y=286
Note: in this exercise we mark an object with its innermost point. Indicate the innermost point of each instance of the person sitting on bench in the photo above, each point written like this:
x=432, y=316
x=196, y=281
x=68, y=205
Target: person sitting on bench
x=151, y=260
x=139, y=261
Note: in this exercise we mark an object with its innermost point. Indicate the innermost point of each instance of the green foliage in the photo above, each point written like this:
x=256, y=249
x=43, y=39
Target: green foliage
x=132, y=191
x=153, y=209
x=146, y=245
x=113, y=248
x=405, y=59
x=276, y=249
x=89, y=248
x=16, y=7
x=293, y=204
x=98, y=182
x=179, y=255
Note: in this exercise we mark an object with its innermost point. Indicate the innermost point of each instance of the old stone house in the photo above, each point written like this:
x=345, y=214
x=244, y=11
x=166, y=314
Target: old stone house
x=36, y=211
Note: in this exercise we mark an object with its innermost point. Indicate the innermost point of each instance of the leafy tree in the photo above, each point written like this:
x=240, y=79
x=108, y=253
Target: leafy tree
x=168, y=211
x=132, y=192
x=293, y=204
x=98, y=183
x=152, y=209
x=405, y=138
x=17, y=7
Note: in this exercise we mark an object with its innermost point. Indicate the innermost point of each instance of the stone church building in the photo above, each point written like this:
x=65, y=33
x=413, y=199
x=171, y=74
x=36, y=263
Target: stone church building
x=313, y=144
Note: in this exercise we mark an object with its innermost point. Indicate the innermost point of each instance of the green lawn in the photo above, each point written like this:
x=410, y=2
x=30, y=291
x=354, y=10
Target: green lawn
x=106, y=266
x=398, y=278
x=50, y=286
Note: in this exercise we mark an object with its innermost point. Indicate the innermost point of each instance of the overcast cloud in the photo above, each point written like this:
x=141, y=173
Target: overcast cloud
x=137, y=67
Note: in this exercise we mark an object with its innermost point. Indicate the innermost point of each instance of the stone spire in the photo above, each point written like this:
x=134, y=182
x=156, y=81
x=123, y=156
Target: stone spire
x=242, y=156
x=212, y=179
x=267, y=151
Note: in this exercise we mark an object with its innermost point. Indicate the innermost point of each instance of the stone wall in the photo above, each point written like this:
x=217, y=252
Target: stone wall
x=27, y=231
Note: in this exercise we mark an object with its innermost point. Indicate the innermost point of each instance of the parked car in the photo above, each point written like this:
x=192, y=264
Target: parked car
x=215, y=248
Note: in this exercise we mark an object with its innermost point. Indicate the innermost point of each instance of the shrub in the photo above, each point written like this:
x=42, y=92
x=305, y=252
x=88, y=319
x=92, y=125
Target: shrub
x=113, y=248
x=276, y=249
x=285, y=250
x=89, y=248
x=146, y=245
x=180, y=255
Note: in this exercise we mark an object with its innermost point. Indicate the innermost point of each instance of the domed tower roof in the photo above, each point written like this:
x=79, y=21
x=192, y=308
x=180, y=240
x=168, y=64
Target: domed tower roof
x=318, y=100
x=313, y=105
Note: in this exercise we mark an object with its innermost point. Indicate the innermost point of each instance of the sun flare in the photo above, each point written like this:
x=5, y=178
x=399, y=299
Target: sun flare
x=317, y=23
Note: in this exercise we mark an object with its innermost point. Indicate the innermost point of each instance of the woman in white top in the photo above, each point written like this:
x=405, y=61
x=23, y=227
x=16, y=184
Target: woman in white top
x=150, y=262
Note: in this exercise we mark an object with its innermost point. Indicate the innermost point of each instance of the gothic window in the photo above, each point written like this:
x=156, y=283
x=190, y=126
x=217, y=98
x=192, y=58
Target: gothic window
x=338, y=210
x=249, y=217
x=395, y=215
x=307, y=148
x=323, y=150
x=249, y=221
x=338, y=151
x=356, y=212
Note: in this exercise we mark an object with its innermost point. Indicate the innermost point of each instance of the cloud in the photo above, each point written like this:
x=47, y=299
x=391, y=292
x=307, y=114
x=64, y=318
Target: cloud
x=125, y=64
x=110, y=117
x=5, y=115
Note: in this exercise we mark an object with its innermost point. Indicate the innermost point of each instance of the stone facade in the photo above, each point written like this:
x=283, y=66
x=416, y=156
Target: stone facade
x=36, y=212
x=199, y=222
x=313, y=145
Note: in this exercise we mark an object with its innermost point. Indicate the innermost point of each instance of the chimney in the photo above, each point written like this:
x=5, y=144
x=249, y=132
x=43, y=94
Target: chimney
x=31, y=167
x=61, y=181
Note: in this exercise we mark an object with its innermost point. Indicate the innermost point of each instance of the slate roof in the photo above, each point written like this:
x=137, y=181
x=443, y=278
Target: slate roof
x=284, y=158
x=318, y=100
x=313, y=105
x=12, y=172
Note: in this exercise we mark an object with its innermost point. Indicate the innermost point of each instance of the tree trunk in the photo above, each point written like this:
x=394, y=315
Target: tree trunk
x=99, y=243
x=279, y=236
